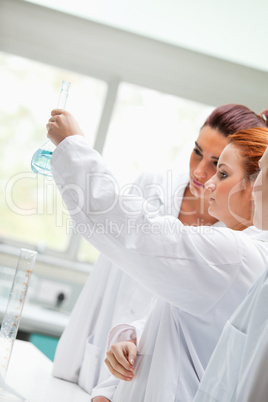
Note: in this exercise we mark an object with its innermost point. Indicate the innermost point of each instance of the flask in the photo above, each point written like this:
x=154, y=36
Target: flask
x=41, y=158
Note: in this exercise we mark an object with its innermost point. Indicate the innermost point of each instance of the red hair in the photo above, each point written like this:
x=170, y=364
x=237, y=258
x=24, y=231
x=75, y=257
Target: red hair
x=252, y=144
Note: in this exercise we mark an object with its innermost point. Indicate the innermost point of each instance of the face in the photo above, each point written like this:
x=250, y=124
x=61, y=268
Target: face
x=204, y=159
x=230, y=199
x=260, y=195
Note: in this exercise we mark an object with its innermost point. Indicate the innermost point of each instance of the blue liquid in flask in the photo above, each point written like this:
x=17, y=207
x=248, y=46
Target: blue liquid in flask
x=41, y=158
x=41, y=162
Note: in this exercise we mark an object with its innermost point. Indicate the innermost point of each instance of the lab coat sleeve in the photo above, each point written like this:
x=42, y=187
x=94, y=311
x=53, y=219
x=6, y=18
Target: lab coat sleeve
x=126, y=332
x=121, y=333
x=106, y=388
x=191, y=268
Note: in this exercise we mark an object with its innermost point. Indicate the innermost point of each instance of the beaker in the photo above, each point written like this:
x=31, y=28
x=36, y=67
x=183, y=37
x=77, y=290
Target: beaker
x=41, y=158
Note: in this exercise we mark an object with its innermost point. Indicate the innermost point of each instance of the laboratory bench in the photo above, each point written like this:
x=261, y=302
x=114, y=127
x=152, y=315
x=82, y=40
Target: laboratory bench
x=29, y=373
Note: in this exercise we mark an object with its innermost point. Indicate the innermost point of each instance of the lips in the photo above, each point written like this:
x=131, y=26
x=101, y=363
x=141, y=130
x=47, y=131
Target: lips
x=211, y=199
x=198, y=184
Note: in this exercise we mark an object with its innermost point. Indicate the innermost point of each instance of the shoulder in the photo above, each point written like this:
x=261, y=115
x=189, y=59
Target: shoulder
x=223, y=245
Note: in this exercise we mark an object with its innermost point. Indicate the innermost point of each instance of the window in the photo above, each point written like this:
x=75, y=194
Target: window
x=32, y=210
x=151, y=131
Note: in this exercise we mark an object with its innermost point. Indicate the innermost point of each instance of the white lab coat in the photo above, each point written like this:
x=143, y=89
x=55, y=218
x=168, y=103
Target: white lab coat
x=110, y=297
x=237, y=371
x=199, y=274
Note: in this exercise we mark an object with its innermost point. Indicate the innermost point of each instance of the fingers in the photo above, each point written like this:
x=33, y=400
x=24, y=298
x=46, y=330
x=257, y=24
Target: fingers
x=50, y=122
x=56, y=112
x=120, y=359
x=61, y=125
x=132, y=352
x=54, y=117
x=53, y=126
x=119, y=372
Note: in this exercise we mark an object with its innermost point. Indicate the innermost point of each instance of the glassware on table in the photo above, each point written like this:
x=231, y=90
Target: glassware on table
x=12, y=317
x=41, y=158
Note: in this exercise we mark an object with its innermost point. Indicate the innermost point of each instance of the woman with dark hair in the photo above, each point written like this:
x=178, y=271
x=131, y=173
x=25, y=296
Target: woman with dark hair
x=111, y=297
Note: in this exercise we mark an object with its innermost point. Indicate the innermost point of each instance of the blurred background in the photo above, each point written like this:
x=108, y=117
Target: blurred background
x=144, y=76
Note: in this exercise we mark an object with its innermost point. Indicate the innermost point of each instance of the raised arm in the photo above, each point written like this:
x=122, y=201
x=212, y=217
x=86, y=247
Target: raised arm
x=175, y=262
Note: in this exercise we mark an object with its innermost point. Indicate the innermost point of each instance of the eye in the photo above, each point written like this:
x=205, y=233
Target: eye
x=197, y=152
x=222, y=175
x=215, y=163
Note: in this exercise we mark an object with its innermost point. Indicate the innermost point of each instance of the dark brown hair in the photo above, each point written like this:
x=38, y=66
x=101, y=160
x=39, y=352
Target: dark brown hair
x=229, y=119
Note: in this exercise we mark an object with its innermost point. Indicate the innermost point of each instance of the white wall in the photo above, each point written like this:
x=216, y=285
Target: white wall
x=90, y=48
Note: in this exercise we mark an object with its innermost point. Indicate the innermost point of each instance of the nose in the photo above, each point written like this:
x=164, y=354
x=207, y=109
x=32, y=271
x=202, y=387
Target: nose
x=201, y=171
x=210, y=185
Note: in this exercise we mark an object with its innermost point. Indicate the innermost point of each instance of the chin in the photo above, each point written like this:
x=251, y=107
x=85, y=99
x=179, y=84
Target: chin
x=197, y=192
x=212, y=213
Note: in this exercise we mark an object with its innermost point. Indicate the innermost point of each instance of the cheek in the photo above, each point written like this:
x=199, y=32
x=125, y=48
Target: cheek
x=227, y=197
x=193, y=162
x=211, y=170
x=221, y=190
x=240, y=198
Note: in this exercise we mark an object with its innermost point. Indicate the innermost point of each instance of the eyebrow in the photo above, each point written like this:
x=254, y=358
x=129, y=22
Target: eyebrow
x=200, y=149
x=221, y=164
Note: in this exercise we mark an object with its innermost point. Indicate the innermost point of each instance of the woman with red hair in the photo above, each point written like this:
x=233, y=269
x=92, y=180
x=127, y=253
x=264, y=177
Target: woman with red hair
x=237, y=370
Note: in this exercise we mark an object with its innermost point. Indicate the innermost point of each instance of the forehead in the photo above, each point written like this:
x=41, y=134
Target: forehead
x=231, y=157
x=211, y=141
